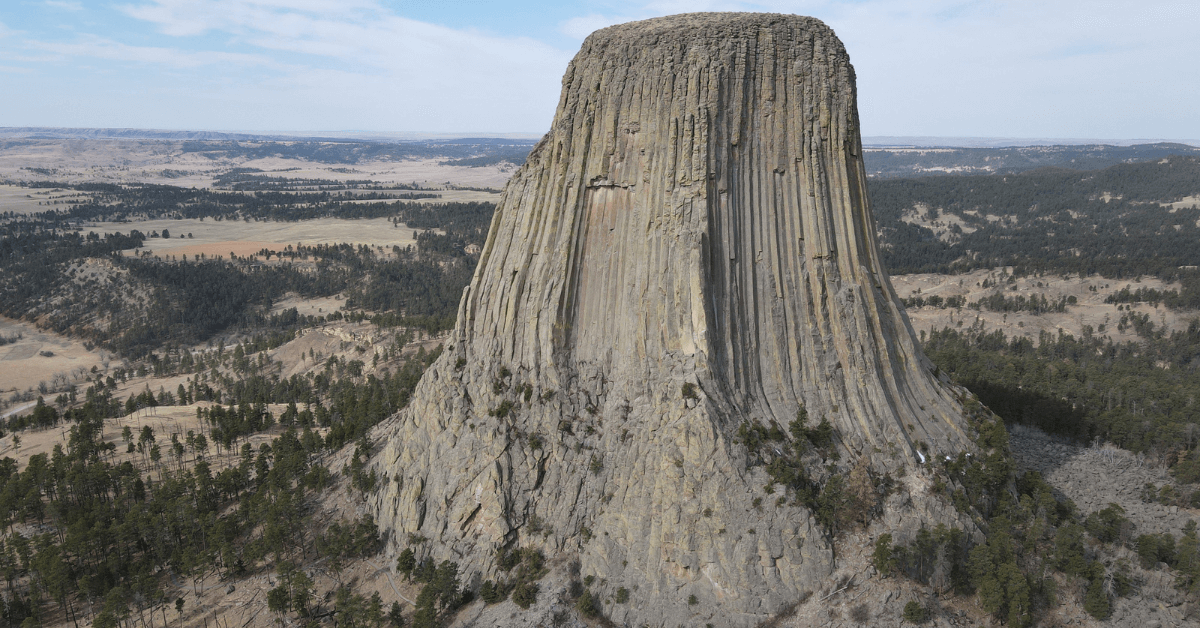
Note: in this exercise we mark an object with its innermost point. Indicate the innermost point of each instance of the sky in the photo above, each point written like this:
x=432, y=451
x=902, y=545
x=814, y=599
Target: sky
x=944, y=68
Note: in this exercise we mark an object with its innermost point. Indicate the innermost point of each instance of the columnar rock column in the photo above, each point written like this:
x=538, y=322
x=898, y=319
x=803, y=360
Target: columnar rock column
x=689, y=248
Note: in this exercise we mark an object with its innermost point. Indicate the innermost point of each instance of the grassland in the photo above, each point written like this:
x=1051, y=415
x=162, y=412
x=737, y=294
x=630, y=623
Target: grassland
x=217, y=237
x=1089, y=309
x=41, y=356
x=167, y=163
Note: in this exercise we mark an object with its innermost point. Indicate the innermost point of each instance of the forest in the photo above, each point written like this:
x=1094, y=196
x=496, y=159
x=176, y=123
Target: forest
x=1137, y=394
x=107, y=531
x=352, y=152
x=105, y=535
x=906, y=162
x=41, y=260
x=1108, y=222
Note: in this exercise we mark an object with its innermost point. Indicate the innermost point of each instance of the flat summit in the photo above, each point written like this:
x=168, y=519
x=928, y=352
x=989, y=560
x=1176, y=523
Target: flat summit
x=685, y=266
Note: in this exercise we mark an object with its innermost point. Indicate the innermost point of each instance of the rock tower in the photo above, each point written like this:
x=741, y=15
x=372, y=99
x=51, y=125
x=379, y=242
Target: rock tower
x=689, y=249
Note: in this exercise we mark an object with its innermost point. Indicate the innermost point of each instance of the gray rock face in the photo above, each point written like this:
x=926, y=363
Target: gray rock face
x=1094, y=477
x=689, y=248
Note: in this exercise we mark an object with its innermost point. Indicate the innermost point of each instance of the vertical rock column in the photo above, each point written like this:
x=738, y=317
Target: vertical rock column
x=689, y=248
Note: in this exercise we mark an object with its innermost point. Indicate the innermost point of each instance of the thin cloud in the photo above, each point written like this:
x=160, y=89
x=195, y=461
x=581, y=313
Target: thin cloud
x=90, y=46
x=65, y=5
x=423, y=72
x=191, y=17
x=925, y=67
x=582, y=26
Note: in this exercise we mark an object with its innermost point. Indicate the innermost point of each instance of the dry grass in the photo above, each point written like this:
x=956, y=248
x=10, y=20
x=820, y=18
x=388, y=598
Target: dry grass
x=23, y=364
x=219, y=237
x=19, y=200
x=165, y=163
x=1090, y=310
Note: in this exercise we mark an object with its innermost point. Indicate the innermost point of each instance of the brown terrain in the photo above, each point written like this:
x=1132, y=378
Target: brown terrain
x=1091, y=476
x=1089, y=292
x=165, y=163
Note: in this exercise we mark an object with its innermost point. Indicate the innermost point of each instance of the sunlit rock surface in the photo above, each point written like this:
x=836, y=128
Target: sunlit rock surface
x=689, y=248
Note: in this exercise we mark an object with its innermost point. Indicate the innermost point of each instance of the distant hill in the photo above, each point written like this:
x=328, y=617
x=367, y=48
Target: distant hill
x=1127, y=219
x=916, y=161
x=58, y=133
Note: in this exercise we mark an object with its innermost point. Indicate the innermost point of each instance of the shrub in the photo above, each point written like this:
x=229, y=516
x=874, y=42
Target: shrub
x=492, y=593
x=1095, y=601
x=622, y=596
x=1156, y=548
x=882, y=556
x=501, y=410
x=915, y=613
x=406, y=563
x=525, y=594
x=1107, y=525
x=587, y=605
x=692, y=601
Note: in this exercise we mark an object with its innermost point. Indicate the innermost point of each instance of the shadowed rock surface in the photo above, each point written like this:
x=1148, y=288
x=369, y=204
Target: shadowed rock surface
x=689, y=248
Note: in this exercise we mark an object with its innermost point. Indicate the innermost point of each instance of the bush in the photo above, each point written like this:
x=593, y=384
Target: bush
x=525, y=594
x=882, y=557
x=1095, y=601
x=406, y=563
x=492, y=593
x=915, y=613
x=587, y=605
x=622, y=596
x=1156, y=548
x=1107, y=525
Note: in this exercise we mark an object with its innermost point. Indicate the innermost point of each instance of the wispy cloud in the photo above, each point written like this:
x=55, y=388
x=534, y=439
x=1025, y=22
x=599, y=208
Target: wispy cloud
x=350, y=55
x=584, y=25
x=66, y=5
x=191, y=17
x=91, y=46
x=925, y=67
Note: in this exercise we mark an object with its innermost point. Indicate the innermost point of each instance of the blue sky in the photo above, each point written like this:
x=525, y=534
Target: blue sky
x=980, y=68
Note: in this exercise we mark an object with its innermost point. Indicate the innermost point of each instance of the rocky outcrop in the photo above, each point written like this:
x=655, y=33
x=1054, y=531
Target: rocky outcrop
x=688, y=249
x=1094, y=477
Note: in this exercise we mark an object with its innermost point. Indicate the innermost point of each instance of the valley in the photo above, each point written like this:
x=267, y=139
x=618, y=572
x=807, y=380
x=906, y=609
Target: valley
x=306, y=351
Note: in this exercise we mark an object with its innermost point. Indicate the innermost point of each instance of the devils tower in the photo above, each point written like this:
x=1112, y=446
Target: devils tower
x=687, y=253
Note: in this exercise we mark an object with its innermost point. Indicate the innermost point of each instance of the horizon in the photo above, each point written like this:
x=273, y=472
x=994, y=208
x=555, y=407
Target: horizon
x=358, y=135
x=946, y=68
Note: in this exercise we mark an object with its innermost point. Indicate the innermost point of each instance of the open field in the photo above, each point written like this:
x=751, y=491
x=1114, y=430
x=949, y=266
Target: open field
x=309, y=307
x=219, y=237
x=444, y=196
x=1089, y=310
x=20, y=200
x=23, y=364
x=165, y=163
